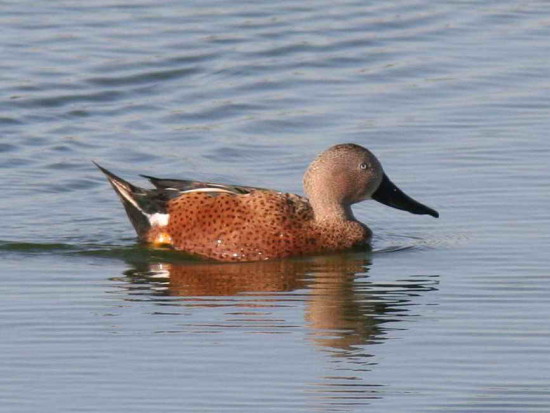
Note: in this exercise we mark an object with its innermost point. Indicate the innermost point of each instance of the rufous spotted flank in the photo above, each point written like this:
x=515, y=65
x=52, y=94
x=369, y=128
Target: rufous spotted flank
x=241, y=223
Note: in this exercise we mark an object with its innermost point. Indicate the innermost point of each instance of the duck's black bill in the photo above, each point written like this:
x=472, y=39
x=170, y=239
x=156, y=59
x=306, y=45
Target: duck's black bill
x=390, y=195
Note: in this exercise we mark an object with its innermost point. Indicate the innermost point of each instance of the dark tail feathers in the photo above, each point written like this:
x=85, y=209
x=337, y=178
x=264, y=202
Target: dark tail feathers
x=140, y=204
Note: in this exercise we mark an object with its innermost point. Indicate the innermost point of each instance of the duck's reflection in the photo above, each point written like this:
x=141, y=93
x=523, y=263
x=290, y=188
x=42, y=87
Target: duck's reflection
x=216, y=280
x=343, y=309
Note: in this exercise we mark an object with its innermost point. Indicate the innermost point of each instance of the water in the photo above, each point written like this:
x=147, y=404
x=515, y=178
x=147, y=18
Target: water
x=443, y=315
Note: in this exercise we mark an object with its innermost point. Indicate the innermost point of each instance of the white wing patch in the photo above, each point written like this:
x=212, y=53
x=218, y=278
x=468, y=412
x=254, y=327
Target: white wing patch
x=208, y=190
x=158, y=220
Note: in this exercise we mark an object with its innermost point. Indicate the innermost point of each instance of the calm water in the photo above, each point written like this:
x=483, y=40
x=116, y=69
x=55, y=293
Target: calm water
x=447, y=315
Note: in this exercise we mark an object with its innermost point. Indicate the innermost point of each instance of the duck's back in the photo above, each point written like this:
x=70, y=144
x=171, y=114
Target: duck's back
x=258, y=225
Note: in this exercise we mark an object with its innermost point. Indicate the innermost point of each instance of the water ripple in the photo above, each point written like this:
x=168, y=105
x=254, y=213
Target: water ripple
x=451, y=96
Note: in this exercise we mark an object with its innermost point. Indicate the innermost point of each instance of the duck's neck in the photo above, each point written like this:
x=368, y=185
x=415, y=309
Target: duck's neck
x=325, y=210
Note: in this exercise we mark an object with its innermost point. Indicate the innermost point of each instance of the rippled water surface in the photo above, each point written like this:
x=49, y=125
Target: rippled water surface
x=447, y=315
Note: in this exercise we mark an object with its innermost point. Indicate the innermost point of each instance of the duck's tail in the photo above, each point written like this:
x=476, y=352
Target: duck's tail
x=145, y=207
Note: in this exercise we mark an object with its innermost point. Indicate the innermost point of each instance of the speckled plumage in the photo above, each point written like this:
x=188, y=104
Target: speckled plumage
x=259, y=225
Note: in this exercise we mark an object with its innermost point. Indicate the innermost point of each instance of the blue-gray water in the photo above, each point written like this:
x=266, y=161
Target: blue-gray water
x=447, y=315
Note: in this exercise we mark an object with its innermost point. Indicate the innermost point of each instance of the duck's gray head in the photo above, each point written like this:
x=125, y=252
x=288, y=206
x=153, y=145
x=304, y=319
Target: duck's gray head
x=348, y=173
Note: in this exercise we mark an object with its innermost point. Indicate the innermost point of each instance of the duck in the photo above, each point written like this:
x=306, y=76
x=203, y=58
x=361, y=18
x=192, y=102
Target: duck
x=225, y=222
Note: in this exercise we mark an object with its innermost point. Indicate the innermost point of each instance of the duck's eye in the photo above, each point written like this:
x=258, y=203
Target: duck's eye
x=363, y=166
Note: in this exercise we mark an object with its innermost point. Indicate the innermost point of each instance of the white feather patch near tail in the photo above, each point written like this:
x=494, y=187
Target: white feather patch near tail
x=216, y=190
x=158, y=219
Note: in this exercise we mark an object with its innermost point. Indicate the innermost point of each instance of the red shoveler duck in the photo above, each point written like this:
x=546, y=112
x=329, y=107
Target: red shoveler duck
x=242, y=223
